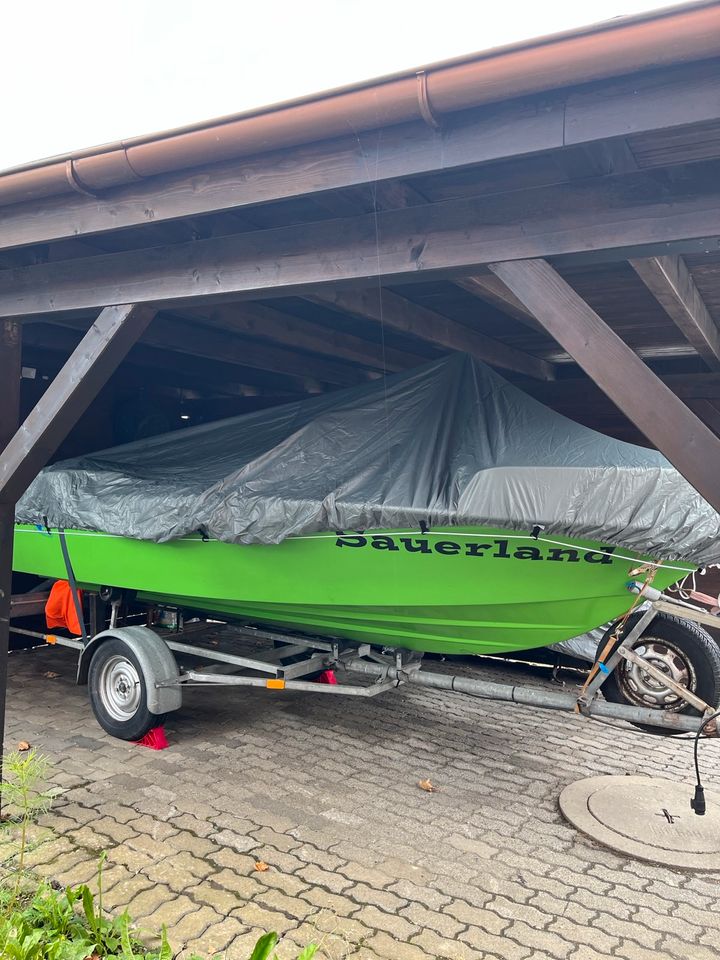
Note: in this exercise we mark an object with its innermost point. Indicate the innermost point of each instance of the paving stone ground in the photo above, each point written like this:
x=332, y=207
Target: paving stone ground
x=360, y=859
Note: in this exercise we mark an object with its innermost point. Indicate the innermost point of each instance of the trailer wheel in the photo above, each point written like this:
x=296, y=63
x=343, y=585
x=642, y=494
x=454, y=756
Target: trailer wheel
x=118, y=691
x=682, y=650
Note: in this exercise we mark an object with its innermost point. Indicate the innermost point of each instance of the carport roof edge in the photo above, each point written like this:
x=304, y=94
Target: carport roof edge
x=671, y=35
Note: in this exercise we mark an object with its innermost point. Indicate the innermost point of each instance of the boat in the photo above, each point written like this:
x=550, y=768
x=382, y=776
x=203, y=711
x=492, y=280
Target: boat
x=440, y=510
x=457, y=590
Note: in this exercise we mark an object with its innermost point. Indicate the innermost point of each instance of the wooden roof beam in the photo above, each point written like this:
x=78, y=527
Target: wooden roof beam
x=412, y=318
x=486, y=287
x=47, y=347
x=609, y=217
x=183, y=337
x=266, y=323
x=641, y=395
x=204, y=341
x=672, y=285
x=490, y=289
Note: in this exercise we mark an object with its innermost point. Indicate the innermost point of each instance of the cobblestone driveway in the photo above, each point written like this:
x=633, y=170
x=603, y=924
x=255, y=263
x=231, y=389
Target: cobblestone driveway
x=325, y=792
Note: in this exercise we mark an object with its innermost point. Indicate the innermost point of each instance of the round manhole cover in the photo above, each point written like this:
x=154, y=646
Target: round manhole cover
x=646, y=818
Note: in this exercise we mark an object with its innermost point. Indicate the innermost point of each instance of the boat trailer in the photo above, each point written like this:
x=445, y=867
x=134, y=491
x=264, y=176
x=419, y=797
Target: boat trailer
x=167, y=661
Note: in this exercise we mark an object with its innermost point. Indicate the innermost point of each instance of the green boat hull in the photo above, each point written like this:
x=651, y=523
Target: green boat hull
x=463, y=590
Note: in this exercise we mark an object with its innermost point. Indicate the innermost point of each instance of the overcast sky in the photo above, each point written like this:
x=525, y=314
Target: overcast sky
x=79, y=74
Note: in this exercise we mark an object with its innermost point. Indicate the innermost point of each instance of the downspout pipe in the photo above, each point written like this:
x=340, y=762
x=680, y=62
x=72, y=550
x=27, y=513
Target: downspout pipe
x=680, y=34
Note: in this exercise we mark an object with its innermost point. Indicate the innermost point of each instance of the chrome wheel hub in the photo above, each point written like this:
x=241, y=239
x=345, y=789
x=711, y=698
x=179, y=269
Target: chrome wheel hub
x=643, y=689
x=120, y=688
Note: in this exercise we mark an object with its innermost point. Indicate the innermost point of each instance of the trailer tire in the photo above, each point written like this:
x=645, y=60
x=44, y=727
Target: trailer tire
x=679, y=647
x=118, y=690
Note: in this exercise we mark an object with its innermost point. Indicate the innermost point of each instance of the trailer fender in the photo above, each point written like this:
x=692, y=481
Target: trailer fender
x=156, y=662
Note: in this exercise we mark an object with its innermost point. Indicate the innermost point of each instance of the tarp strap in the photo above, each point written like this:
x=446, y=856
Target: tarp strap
x=73, y=585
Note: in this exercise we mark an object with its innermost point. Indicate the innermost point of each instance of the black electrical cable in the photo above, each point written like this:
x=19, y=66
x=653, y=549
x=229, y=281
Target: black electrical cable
x=697, y=803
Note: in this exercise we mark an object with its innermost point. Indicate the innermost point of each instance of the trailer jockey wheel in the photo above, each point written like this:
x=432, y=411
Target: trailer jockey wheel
x=683, y=651
x=118, y=691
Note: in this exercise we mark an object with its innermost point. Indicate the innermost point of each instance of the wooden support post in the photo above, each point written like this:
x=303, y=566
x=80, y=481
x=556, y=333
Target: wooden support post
x=10, y=372
x=95, y=358
x=654, y=409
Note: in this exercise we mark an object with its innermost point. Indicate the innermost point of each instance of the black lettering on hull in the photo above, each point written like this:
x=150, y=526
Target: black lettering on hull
x=447, y=548
x=384, y=543
x=476, y=549
x=528, y=553
x=500, y=549
x=344, y=541
x=572, y=556
x=604, y=556
x=416, y=545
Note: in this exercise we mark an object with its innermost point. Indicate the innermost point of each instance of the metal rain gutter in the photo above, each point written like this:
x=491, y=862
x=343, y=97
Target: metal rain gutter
x=679, y=34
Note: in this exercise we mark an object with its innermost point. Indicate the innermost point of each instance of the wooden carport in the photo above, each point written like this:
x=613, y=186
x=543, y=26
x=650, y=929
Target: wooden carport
x=552, y=208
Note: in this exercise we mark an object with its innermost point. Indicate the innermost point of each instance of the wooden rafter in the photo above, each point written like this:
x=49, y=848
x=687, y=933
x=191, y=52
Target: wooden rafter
x=485, y=287
x=203, y=341
x=709, y=413
x=490, y=289
x=411, y=318
x=654, y=409
x=607, y=216
x=258, y=320
x=193, y=339
x=672, y=285
x=147, y=366
x=167, y=365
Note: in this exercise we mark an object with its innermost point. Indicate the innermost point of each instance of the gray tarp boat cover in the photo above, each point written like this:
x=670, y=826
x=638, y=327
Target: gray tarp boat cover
x=449, y=443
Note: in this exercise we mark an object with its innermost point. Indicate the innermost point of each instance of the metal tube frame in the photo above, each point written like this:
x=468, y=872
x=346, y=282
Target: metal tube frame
x=393, y=668
x=603, y=670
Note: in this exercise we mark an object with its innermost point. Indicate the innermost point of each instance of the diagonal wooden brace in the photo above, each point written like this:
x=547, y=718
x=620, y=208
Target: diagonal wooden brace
x=87, y=370
x=654, y=409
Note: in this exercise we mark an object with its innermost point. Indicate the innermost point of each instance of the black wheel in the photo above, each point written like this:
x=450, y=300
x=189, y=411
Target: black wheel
x=683, y=651
x=118, y=691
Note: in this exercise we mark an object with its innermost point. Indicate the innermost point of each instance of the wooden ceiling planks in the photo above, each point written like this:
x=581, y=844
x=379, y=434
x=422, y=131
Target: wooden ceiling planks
x=671, y=283
x=705, y=270
x=618, y=295
x=681, y=145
